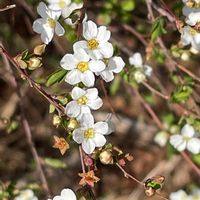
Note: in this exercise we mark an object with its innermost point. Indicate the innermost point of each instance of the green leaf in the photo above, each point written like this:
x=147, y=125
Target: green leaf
x=114, y=87
x=51, y=108
x=181, y=94
x=55, y=163
x=196, y=159
x=56, y=77
x=153, y=184
x=158, y=28
x=12, y=126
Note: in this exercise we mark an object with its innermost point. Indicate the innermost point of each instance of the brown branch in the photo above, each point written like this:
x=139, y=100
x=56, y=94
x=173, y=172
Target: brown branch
x=26, y=125
x=81, y=156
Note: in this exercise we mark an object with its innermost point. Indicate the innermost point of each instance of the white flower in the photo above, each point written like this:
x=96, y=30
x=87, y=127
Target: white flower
x=196, y=194
x=179, y=195
x=48, y=24
x=90, y=135
x=143, y=70
x=193, y=18
x=114, y=65
x=96, y=41
x=161, y=138
x=186, y=140
x=83, y=101
x=66, y=7
x=190, y=36
x=26, y=195
x=66, y=194
x=81, y=68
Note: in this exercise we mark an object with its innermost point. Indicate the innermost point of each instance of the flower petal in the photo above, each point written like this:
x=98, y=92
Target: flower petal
x=88, y=146
x=177, y=142
x=101, y=127
x=89, y=30
x=96, y=65
x=68, y=62
x=78, y=135
x=87, y=78
x=42, y=10
x=136, y=60
x=95, y=104
x=38, y=25
x=106, y=49
x=73, y=77
x=103, y=34
x=68, y=194
x=107, y=75
x=116, y=64
x=193, y=145
x=80, y=45
x=67, y=11
x=81, y=55
x=187, y=131
x=77, y=92
x=47, y=34
x=72, y=109
x=99, y=140
x=59, y=30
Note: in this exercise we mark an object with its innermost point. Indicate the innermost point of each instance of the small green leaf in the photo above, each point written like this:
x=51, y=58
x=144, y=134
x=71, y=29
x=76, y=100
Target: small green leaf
x=181, y=94
x=56, y=77
x=158, y=28
x=55, y=163
x=153, y=184
x=51, y=108
x=12, y=126
x=114, y=87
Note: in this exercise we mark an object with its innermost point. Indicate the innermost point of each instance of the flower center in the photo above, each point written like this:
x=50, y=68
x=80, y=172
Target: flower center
x=186, y=138
x=92, y=44
x=51, y=22
x=61, y=3
x=82, y=100
x=83, y=66
x=193, y=31
x=89, y=133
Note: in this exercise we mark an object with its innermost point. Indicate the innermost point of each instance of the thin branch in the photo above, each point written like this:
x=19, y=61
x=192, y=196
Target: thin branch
x=26, y=125
x=81, y=156
x=8, y=7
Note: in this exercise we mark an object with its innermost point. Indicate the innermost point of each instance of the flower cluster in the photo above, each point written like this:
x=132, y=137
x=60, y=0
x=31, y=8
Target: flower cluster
x=142, y=70
x=190, y=33
x=186, y=140
x=181, y=194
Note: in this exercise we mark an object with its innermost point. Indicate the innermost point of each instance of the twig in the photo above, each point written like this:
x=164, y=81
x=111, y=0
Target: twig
x=26, y=126
x=150, y=11
x=190, y=162
x=154, y=91
x=81, y=156
x=8, y=7
x=108, y=99
x=80, y=19
x=32, y=83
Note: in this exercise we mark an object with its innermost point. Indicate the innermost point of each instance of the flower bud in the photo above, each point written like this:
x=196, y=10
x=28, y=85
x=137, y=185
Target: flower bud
x=185, y=56
x=34, y=62
x=21, y=63
x=56, y=120
x=139, y=76
x=106, y=157
x=39, y=49
x=72, y=124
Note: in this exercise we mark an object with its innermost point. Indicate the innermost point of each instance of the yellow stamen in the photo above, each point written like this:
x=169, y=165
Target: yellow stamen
x=51, y=22
x=89, y=133
x=92, y=44
x=82, y=100
x=83, y=66
x=193, y=31
x=62, y=3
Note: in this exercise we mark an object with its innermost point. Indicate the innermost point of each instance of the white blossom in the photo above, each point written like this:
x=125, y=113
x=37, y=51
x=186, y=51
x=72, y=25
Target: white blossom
x=81, y=68
x=96, y=41
x=113, y=65
x=190, y=36
x=66, y=194
x=83, y=101
x=193, y=18
x=179, y=195
x=48, y=24
x=66, y=7
x=161, y=138
x=90, y=134
x=186, y=140
x=26, y=195
x=142, y=69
